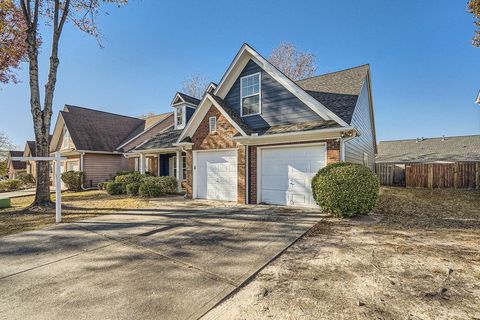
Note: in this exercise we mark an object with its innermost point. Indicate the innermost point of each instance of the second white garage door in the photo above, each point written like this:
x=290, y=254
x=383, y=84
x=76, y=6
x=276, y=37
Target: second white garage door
x=216, y=177
x=286, y=174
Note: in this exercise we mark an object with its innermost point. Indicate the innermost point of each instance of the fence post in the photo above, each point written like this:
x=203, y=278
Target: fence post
x=455, y=175
x=430, y=175
x=477, y=175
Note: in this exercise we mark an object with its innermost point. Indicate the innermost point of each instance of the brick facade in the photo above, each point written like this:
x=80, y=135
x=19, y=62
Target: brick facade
x=202, y=139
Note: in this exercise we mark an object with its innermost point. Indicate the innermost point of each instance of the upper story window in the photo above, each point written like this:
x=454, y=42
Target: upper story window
x=250, y=87
x=66, y=140
x=212, y=124
x=180, y=117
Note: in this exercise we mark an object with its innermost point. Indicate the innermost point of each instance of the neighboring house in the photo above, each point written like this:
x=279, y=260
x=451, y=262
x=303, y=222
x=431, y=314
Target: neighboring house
x=259, y=137
x=442, y=162
x=160, y=155
x=93, y=140
x=30, y=151
x=15, y=167
x=430, y=150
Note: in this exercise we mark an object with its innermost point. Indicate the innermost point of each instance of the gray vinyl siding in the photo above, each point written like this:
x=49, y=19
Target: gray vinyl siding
x=279, y=106
x=361, y=120
x=190, y=112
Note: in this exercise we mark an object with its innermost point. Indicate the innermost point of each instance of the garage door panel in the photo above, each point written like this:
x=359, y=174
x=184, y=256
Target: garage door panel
x=217, y=175
x=286, y=174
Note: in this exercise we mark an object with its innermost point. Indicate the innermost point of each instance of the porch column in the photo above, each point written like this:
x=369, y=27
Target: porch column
x=179, y=168
x=142, y=163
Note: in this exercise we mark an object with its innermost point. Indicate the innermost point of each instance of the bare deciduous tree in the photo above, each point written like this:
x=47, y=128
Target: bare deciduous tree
x=474, y=8
x=5, y=145
x=55, y=13
x=294, y=63
x=195, y=85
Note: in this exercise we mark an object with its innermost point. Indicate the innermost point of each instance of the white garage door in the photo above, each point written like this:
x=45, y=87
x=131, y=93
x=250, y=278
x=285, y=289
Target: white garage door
x=286, y=174
x=217, y=175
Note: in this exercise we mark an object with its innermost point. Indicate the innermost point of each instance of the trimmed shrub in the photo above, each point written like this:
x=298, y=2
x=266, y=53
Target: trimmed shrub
x=102, y=185
x=345, y=189
x=114, y=188
x=122, y=173
x=169, y=184
x=151, y=188
x=10, y=185
x=26, y=178
x=132, y=188
x=73, y=180
x=125, y=179
x=130, y=178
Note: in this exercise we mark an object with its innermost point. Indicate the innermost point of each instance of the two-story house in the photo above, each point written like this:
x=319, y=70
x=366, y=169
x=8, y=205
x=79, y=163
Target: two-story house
x=260, y=137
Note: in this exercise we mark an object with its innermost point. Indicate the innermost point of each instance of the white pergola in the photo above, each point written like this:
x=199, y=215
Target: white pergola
x=58, y=181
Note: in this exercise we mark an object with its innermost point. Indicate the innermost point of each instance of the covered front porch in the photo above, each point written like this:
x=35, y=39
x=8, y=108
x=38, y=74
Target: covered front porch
x=161, y=162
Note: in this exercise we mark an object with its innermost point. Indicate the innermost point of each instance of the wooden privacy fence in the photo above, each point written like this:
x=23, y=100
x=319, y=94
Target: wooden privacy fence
x=430, y=175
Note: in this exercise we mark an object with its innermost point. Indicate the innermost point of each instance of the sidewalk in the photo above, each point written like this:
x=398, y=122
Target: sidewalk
x=21, y=193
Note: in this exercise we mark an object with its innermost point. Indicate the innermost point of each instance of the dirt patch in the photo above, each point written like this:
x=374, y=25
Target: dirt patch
x=416, y=257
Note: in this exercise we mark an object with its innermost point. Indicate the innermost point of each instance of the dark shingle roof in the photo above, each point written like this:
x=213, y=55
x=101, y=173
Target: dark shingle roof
x=98, y=130
x=148, y=124
x=448, y=149
x=189, y=99
x=338, y=91
x=232, y=114
x=17, y=165
x=164, y=139
x=305, y=126
x=31, y=147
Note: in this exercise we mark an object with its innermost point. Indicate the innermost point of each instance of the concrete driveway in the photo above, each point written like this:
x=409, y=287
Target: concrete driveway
x=173, y=262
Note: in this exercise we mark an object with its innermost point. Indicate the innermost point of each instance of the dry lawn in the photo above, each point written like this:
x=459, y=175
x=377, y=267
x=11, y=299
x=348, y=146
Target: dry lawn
x=75, y=205
x=416, y=257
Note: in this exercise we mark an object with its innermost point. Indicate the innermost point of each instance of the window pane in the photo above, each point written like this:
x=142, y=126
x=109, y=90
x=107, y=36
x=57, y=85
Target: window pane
x=250, y=105
x=250, y=85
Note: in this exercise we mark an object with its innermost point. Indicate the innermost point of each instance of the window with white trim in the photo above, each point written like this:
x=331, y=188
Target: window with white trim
x=365, y=159
x=250, y=87
x=212, y=124
x=179, y=117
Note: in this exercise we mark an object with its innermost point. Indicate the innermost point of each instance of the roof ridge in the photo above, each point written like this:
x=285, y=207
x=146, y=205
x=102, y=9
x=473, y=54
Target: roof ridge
x=328, y=73
x=446, y=137
x=179, y=92
x=101, y=111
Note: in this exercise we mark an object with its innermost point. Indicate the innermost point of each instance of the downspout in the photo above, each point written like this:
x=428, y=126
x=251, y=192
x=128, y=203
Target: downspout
x=342, y=146
x=81, y=169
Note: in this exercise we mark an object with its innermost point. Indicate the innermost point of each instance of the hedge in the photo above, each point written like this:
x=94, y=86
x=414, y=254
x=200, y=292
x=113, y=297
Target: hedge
x=132, y=188
x=345, y=189
x=114, y=188
x=26, y=178
x=10, y=185
x=151, y=188
x=73, y=180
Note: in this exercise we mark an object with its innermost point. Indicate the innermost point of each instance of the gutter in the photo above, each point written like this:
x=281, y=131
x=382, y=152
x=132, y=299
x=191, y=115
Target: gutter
x=311, y=134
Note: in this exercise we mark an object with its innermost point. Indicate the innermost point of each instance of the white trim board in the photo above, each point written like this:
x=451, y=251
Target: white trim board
x=247, y=53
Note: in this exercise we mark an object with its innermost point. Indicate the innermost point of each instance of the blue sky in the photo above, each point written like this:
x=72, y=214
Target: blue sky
x=425, y=73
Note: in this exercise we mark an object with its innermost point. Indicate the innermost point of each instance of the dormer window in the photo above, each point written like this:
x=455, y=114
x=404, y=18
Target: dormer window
x=250, y=87
x=180, y=117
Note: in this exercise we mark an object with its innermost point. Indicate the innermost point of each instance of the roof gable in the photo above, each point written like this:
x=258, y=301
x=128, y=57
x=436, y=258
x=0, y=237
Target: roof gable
x=247, y=53
x=202, y=110
x=95, y=130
